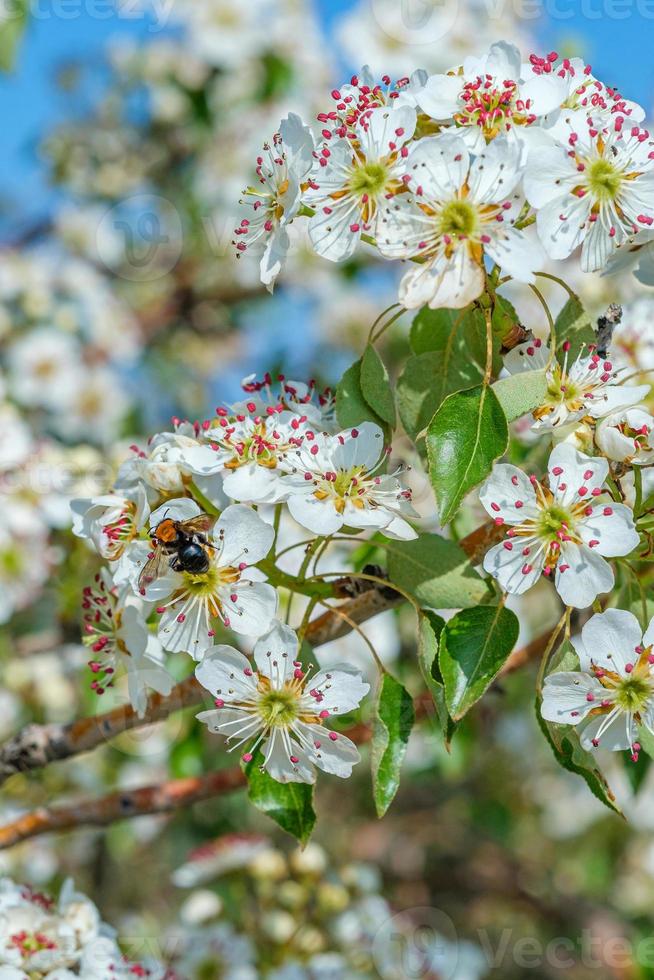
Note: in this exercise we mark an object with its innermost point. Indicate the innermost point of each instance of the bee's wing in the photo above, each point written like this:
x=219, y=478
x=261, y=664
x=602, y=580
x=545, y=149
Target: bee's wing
x=154, y=567
x=198, y=525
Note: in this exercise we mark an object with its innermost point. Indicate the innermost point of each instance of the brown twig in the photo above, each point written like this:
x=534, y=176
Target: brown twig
x=161, y=798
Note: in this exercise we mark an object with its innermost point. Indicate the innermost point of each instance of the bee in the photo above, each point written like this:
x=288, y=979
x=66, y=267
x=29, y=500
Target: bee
x=180, y=545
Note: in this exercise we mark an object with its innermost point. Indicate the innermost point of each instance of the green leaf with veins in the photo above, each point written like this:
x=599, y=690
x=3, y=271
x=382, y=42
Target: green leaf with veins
x=449, y=348
x=521, y=393
x=393, y=721
x=430, y=629
x=376, y=386
x=474, y=645
x=435, y=571
x=465, y=437
x=290, y=805
x=351, y=406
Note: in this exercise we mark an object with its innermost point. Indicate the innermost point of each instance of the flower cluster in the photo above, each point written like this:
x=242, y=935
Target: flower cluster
x=498, y=160
x=42, y=938
x=190, y=530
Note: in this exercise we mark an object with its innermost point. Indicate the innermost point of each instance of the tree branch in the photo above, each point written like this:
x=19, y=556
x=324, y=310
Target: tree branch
x=119, y=806
x=35, y=746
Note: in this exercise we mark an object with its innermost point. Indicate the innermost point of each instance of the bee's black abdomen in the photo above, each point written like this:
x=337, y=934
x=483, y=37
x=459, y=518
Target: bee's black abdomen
x=192, y=558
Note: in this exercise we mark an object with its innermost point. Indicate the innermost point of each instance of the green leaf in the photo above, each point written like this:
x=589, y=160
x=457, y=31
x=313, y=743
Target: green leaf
x=646, y=740
x=473, y=647
x=450, y=355
x=521, y=393
x=568, y=752
x=430, y=628
x=394, y=717
x=12, y=26
x=419, y=391
x=376, y=385
x=636, y=771
x=447, y=331
x=351, y=406
x=290, y=805
x=465, y=437
x=574, y=325
x=504, y=317
x=435, y=571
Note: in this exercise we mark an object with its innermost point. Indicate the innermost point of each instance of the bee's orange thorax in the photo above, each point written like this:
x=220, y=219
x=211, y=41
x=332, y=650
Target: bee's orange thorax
x=166, y=531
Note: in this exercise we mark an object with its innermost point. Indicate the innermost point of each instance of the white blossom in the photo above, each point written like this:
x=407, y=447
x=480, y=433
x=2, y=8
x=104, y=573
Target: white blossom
x=281, y=708
x=281, y=170
x=111, y=520
x=458, y=211
x=339, y=482
x=588, y=390
x=613, y=692
x=356, y=175
x=563, y=530
x=493, y=95
x=117, y=636
x=626, y=437
x=594, y=189
x=232, y=590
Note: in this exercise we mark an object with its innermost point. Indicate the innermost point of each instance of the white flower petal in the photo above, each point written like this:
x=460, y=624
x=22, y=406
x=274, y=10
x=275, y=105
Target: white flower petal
x=565, y=696
x=332, y=752
x=518, y=253
x=616, y=736
x=360, y=446
x=440, y=96
x=278, y=762
x=439, y=165
x=319, y=516
x=227, y=721
x=178, y=509
x=509, y=495
x=223, y=672
x=341, y=688
x=581, y=575
x=570, y=471
x=275, y=652
x=515, y=571
x=612, y=526
x=533, y=355
x=331, y=233
x=184, y=628
x=253, y=609
x=495, y=173
x=613, y=397
x=243, y=535
x=609, y=639
x=561, y=225
x=253, y=484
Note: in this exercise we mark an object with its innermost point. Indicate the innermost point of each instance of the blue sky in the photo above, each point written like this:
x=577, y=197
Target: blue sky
x=616, y=36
